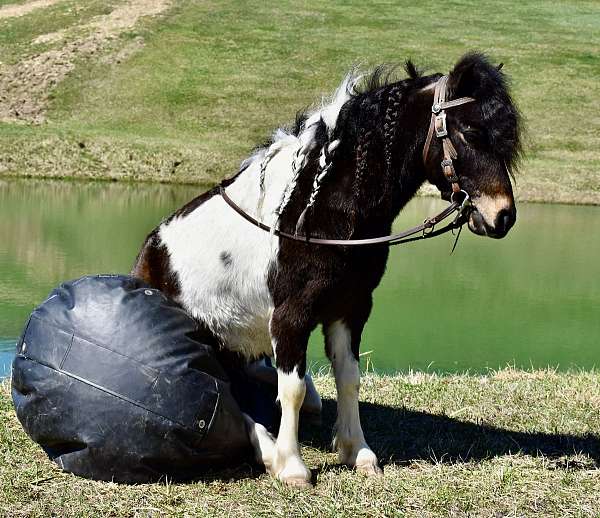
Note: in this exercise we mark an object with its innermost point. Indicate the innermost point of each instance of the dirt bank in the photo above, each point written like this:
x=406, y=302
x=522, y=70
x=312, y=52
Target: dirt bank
x=14, y=10
x=26, y=86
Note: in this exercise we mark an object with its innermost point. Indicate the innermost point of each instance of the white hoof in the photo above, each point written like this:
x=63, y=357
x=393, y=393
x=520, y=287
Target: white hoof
x=262, y=442
x=292, y=473
x=366, y=462
x=359, y=456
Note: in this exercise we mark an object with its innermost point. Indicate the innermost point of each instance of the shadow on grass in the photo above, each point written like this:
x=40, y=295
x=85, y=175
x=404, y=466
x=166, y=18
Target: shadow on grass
x=399, y=435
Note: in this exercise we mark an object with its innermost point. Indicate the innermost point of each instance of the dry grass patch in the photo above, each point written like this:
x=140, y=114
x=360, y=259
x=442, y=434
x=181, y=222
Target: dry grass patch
x=511, y=443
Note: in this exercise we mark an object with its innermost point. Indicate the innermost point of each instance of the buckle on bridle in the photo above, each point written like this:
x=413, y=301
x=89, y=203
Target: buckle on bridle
x=440, y=125
x=429, y=226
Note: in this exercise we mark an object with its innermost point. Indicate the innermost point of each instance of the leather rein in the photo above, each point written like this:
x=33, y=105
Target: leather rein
x=426, y=229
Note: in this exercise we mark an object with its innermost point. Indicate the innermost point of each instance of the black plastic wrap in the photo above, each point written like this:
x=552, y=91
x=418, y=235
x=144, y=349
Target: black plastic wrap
x=109, y=380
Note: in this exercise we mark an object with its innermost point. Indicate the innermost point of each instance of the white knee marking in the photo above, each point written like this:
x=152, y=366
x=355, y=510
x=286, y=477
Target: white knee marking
x=264, y=373
x=349, y=440
x=347, y=378
x=290, y=393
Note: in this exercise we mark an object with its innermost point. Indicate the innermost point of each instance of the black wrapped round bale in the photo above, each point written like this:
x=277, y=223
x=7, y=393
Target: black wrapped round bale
x=109, y=380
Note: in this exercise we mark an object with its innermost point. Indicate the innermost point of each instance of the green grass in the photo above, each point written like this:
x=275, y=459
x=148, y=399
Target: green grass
x=511, y=443
x=214, y=78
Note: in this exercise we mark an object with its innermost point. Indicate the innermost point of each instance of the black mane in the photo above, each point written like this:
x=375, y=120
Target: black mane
x=379, y=78
x=475, y=75
x=385, y=75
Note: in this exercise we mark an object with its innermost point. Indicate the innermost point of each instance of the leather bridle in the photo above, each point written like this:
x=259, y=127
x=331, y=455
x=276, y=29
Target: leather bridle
x=425, y=229
x=439, y=127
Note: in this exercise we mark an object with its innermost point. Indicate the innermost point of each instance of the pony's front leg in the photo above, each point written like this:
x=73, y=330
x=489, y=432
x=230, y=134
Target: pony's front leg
x=349, y=439
x=290, y=340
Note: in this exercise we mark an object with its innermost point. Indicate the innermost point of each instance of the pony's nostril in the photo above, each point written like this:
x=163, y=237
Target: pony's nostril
x=504, y=220
x=477, y=223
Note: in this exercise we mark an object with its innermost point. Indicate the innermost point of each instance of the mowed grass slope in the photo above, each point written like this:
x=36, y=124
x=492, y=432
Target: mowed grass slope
x=206, y=81
x=511, y=443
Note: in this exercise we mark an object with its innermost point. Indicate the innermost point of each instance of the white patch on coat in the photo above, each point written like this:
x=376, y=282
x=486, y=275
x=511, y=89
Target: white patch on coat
x=490, y=206
x=349, y=438
x=233, y=300
x=330, y=110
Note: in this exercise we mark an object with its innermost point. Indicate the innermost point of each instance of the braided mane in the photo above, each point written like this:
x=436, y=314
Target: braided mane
x=319, y=134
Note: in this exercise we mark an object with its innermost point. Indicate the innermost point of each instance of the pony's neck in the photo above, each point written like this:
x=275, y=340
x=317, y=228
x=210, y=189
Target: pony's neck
x=410, y=175
x=393, y=170
x=361, y=174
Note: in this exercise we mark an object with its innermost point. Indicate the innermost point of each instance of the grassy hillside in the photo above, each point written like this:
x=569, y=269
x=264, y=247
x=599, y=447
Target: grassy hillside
x=184, y=94
x=511, y=443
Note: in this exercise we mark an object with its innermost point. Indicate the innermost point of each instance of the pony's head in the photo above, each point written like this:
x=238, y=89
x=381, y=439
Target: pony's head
x=485, y=134
x=365, y=151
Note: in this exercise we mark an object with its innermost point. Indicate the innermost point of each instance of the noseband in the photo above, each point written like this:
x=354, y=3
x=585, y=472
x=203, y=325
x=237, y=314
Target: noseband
x=425, y=229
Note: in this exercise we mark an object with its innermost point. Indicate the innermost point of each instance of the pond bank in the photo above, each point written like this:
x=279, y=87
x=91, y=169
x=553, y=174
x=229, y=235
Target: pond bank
x=510, y=443
x=169, y=167
x=181, y=92
x=31, y=155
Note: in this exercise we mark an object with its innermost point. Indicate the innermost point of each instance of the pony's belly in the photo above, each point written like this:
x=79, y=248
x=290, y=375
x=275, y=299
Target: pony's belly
x=221, y=263
x=251, y=341
x=238, y=328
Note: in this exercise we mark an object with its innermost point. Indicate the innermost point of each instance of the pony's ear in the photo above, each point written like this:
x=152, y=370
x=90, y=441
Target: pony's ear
x=473, y=74
x=464, y=79
x=499, y=66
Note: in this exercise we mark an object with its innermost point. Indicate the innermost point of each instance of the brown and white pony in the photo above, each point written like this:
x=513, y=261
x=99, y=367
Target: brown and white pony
x=345, y=170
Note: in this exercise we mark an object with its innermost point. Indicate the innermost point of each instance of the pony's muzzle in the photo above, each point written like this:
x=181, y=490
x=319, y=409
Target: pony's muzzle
x=503, y=222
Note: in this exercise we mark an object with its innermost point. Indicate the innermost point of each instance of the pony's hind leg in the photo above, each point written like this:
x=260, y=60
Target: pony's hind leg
x=290, y=339
x=312, y=405
x=349, y=440
x=262, y=442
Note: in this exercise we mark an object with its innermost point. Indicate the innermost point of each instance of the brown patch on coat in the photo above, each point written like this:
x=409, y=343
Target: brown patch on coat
x=154, y=267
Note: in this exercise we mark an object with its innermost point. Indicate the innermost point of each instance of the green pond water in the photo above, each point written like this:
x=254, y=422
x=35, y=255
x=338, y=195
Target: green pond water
x=531, y=299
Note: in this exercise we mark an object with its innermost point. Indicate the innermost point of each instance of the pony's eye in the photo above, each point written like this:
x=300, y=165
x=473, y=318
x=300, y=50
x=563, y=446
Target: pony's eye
x=473, y=136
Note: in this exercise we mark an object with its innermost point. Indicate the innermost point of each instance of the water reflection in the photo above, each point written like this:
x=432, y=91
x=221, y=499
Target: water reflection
x=53, y=231
x=532, y=298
